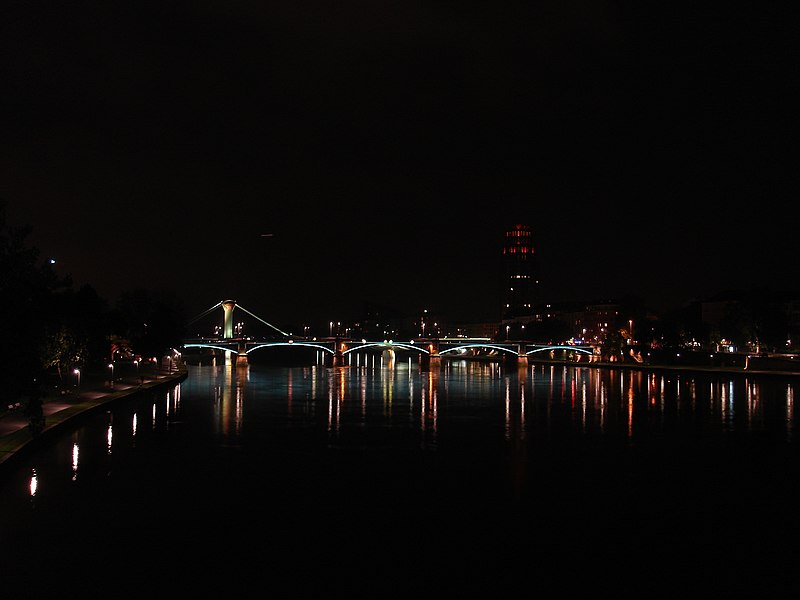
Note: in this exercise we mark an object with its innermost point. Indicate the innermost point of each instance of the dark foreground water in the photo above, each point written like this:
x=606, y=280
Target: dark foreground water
x=379, y=482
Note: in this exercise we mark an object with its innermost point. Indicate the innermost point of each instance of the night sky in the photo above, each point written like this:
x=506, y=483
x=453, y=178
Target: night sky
x=388, y=145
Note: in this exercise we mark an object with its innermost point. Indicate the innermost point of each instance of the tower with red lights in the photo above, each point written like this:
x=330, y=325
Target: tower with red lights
x=519, y=266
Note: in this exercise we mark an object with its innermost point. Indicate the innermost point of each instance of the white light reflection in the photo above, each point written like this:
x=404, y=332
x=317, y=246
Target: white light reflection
x=410, y=397
x=789, y=410
x=109, y=435
x=753, y=402
x=74, y=461
x=134, y=424
x=586, y=386
x=434, y=400
x=363, y=390
x=34, y=484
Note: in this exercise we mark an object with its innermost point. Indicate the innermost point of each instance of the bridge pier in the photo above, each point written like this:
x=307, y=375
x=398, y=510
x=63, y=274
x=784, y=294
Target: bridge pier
x=435, y=359
x=338, y=353
x=522, y=358
x=241, y=357
x=431, y=359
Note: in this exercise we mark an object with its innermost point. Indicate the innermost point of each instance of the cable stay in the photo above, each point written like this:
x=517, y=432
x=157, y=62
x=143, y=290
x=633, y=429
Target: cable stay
x=262, y=320
x=204, y=313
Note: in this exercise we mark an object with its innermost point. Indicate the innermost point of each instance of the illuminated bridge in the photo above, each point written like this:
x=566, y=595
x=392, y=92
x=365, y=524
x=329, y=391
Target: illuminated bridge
x=340, y=350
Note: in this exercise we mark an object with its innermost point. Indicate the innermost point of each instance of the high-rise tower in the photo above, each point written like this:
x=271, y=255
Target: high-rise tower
x=519, y=272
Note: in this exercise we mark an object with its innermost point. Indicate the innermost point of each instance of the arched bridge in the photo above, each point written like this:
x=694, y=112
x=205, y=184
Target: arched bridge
x=239, y=349
x=340, y=348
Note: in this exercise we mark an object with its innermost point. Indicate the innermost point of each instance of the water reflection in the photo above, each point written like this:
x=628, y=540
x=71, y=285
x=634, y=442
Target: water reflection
x=560, y=465
x=530, y=403
x=75, y=453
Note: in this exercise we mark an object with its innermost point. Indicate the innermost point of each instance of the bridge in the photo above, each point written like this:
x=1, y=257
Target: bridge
x=238, y=348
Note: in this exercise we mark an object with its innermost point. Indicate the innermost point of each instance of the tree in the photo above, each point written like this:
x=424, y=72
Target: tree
x=63, y=350
x=26, y=296
x=153, y=321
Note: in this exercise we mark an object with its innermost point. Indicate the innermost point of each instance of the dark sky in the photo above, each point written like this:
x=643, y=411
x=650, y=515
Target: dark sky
x=388, y=145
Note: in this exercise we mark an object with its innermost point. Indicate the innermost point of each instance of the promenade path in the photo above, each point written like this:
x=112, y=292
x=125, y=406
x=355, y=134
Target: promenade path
x=15, y=434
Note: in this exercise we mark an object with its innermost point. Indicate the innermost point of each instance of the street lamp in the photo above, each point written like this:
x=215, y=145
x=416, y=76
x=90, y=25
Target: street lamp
x=136, y=362
x=111, y=369
x=78, y=373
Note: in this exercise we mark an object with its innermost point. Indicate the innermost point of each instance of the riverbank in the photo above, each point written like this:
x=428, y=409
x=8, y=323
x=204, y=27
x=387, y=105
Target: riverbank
x=96, y=392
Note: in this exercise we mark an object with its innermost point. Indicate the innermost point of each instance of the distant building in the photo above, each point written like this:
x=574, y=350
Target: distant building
x=589, y=321
x=520, y=273
x=487, y=329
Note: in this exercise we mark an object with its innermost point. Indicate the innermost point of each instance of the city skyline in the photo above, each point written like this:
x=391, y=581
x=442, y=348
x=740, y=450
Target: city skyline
x=307, y=161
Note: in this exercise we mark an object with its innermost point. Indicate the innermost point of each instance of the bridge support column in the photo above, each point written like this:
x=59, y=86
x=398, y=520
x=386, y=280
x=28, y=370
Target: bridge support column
x=241, y=357
x=430, y=359
x=522, y=358
x=433, y=348
x=338, y=353
x=388, y=358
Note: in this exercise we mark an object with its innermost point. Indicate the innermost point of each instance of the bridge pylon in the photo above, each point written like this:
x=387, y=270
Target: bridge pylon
x=227, y=328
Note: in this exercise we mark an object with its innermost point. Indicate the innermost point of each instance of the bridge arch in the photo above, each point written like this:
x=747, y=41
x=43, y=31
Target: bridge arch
x=485, y=346
x=387, y=345
x=293, y=344
x=548, y=348
x=215, y=347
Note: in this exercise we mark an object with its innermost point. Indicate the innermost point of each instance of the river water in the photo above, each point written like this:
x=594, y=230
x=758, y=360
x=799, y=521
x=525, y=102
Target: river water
x=375, y=480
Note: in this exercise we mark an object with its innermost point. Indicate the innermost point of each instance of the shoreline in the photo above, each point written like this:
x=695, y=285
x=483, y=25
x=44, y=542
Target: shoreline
x=16, y=436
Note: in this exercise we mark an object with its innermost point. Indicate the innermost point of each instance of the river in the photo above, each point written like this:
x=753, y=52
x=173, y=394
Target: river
x=383, y=481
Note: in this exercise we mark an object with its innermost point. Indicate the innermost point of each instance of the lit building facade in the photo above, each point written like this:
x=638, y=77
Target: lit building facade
x=520, y=276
